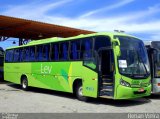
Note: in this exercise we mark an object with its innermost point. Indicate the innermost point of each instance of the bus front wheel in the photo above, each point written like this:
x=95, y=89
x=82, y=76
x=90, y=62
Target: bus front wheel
x=24, y=83
x=79, y=93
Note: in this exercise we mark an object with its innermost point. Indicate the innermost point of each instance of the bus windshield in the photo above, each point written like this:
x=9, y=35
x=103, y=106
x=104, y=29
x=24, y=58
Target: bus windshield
x=133, y=61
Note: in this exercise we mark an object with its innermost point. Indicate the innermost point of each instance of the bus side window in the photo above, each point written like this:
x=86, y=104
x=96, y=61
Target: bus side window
x=9, y=56
x=86, y=48
x=32, y=53
x=75, y=50
x=26, y=54
x=39, y=53
x=101, y=41
x=16, y=55
x=21, y=54
x=64, y=51
x=46, y=50
x=89, y=57
x=55, y=52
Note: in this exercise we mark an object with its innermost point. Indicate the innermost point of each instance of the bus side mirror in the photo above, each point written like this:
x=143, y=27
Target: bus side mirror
x=118, y=52
x=116, y=44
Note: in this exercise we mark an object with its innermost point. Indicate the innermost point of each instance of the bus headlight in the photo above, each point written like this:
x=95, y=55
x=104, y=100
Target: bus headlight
x=124, y=83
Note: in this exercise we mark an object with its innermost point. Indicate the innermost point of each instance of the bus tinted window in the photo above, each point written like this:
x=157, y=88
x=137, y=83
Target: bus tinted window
x=39, y=56
x=26, y=54
x=21, y=54
x=16, y=55
x=46, y=50
x=32, y=53
x=101, y=41
x=9, y=56
x=64, y=51
x=75, y=50
x=86, y=47
x=55, y=52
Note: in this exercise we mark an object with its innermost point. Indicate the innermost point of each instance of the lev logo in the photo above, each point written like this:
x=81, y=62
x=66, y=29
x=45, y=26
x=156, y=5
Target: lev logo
x=46, y=69
x=90, y=88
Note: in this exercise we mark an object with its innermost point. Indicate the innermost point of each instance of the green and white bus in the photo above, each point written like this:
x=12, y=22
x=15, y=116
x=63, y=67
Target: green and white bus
x=107, y=65
x=153, y=49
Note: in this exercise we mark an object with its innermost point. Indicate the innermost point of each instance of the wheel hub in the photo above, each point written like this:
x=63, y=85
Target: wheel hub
x=24, y=84
x=80, y=91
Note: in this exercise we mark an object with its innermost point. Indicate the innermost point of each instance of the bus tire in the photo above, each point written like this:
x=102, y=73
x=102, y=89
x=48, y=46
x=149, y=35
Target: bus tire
x=79, y=94
x=24, y=83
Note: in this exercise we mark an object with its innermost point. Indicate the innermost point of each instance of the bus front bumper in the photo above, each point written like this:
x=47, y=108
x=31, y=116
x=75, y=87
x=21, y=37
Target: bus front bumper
x=129, y=93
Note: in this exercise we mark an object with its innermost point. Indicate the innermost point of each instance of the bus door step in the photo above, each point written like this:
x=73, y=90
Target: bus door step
x=106, y=92
x=107, y=80
x=104, y=86
x=108, y=97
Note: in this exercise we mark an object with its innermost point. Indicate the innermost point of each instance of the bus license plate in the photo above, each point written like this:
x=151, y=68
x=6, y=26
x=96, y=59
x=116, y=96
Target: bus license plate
x=140, y=90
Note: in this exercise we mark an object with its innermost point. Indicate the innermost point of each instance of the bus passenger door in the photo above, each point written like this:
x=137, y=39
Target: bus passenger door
x=106, y=73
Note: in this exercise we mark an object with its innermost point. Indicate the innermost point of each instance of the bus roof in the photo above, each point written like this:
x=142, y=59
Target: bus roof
x=57, y=39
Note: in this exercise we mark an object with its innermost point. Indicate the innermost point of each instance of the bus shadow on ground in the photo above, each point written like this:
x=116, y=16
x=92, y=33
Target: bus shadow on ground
x=44, y=91
x=3, y=82
x=154, y=96
x=97, y=101
x=121, y=103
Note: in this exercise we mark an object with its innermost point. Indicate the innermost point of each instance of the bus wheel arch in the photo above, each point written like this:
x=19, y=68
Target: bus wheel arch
x=24, y=82
x=77, y=90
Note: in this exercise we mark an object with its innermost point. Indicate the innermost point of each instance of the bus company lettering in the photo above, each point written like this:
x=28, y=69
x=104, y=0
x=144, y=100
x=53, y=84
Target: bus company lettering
x=46, y=69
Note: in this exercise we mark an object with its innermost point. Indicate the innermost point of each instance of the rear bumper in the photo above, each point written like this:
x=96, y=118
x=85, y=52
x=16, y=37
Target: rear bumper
x=129, y=93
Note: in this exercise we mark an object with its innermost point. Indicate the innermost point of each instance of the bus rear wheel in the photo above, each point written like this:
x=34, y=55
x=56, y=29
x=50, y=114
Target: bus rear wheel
x=79, y=94
x=24, y=83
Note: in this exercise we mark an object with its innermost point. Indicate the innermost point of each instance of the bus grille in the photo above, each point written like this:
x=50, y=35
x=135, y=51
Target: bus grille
x=139, y=85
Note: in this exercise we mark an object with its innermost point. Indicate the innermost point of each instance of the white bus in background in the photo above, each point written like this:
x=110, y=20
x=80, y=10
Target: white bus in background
x=153, y=49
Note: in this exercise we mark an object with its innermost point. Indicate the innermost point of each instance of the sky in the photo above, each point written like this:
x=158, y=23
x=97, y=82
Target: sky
x=140, y=18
